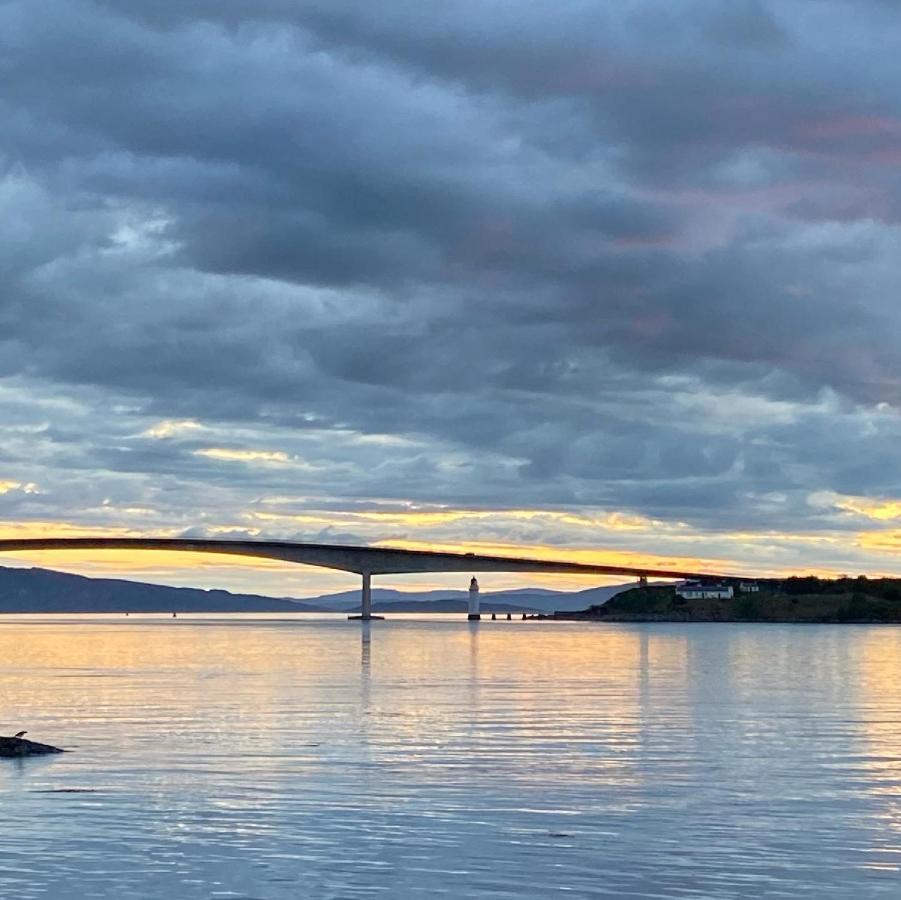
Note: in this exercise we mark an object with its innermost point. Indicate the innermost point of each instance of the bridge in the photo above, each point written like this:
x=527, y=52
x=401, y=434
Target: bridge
x=364, y=561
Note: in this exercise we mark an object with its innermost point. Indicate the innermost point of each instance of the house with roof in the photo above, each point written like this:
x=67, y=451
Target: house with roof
x=704, y=590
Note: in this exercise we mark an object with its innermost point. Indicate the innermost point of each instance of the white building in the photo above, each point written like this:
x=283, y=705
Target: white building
x=749, y=587
x=474, y=614
x=699, y=590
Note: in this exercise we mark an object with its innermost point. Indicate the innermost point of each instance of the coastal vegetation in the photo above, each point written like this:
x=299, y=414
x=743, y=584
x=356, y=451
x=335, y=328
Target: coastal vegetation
x=799, y=599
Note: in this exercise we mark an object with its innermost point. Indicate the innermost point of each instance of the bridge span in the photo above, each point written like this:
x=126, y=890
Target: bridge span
x=364, y=561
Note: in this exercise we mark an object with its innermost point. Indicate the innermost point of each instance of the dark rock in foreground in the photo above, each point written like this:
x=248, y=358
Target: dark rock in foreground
x=11, y=747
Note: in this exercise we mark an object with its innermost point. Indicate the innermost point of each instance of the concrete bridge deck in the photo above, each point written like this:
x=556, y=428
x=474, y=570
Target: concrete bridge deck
x=364, y=561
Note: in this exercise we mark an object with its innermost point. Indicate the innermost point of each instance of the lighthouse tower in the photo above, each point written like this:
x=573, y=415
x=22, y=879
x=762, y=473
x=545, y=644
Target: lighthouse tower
x=474, y=600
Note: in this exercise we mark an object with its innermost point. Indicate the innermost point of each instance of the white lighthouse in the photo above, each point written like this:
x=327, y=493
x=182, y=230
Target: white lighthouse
x=474, y=600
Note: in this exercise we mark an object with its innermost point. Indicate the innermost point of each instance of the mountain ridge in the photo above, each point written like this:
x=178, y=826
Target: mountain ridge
x=39, y=590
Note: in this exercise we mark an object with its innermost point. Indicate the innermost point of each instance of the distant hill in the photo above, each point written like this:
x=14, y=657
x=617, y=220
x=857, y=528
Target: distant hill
x=48, y=591
x=43, y=590
x=444, y=606
x=596, y=596
x=347, y=601
x=519, y=600
x=443, y=601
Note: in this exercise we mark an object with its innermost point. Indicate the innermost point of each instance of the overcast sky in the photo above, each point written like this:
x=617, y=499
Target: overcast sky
x=598, y=280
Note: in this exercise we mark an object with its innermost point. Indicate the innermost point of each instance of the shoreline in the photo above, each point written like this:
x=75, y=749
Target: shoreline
x=638, y=619
x=794, y=601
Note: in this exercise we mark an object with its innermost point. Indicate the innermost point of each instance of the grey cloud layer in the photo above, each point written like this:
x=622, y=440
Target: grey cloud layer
x=611, y=255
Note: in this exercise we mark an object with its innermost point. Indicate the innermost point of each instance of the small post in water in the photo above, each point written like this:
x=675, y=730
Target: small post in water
x=474, y=614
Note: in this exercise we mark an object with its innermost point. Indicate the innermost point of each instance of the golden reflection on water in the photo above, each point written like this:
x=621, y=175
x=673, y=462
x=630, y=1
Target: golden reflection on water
x=878, y=717
x=676, y=759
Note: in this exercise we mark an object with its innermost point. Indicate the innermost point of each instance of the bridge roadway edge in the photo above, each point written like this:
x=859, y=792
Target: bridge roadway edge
x=362, y=560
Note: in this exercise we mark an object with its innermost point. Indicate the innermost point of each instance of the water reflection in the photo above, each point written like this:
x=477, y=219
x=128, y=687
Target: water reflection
x=473, y=628
x=365, y=677
x=272, y=759
x=366, y=644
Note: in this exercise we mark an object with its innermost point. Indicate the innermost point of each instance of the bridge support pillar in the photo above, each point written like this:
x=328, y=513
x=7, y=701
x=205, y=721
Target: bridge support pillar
x=366, y=600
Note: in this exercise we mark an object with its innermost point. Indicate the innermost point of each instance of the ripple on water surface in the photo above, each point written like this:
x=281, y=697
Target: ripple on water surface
x=254, y=757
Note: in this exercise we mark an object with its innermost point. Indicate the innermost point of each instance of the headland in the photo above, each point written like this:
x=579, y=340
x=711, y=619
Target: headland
x=799, y=599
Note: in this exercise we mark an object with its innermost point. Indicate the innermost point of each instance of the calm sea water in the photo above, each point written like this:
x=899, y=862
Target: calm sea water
x=253, y=757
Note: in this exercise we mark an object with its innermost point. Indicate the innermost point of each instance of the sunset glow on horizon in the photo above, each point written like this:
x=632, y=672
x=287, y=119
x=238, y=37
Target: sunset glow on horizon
x=632, y=542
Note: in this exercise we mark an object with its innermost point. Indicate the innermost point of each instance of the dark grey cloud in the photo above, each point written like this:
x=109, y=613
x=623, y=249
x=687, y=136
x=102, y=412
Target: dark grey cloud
x=635, y=257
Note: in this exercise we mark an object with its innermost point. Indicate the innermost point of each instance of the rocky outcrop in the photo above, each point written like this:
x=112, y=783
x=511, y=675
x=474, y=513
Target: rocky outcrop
x=16, y=746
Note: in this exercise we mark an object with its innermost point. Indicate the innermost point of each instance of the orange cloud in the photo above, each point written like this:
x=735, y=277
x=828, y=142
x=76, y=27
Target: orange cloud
x=171, y=427
x=878, y=509
x=7, y=486
x=266, y=456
